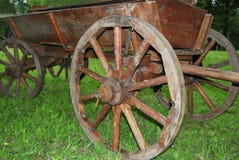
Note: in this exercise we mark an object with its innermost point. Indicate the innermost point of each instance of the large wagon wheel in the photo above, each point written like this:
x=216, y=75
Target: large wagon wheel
x=114, y=109
x=208, y=97
x=20, y=69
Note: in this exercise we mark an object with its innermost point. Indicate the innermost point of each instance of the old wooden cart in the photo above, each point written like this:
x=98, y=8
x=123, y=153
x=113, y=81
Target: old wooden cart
x=123, y=52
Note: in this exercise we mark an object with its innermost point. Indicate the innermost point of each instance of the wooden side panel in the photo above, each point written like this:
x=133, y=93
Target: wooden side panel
x=203, y=32
x=34, y=28
x=180, y=22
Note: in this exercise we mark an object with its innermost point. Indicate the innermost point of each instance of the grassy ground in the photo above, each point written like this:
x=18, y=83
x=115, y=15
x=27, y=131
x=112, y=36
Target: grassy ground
x=46, y=128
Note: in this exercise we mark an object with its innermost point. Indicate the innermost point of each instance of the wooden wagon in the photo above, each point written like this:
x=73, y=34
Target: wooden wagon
x=122, y=52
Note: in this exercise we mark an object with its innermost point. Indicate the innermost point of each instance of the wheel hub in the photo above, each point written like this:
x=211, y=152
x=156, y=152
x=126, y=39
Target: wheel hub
x=111, y=91
x=14, y=70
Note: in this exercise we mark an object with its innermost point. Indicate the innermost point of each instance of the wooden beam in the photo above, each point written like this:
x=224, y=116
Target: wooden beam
x=203, y=32
x=57, y=28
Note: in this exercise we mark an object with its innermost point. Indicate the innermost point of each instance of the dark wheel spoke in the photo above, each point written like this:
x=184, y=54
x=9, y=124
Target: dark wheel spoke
x=190, y=99
x=133, y=101
x=134, y=126
x=24, y=57
x=163, y=100
x=4, y=63
x=16, y=56
x=204, y=95
x=215, y=84
x=219, y=65
x=3, y=74
x=8, y=54
x=10, y=82
x=206, y=51
x=18, y=82
x=26, y=85
x=33, y=79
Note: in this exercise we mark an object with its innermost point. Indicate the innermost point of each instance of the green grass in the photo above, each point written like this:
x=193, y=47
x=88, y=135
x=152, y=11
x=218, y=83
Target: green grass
x=46, y=128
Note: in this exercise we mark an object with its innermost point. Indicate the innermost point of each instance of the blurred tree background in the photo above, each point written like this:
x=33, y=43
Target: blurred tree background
x=225, y=12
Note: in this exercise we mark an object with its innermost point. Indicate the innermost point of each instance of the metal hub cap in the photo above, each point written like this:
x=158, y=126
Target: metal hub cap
x=111, y=92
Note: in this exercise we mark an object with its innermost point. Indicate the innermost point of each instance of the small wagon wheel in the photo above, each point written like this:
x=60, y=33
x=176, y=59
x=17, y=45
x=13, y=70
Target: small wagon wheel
x=56, y=69
x=216, y=96
x=64, y=64
x=20, y=69
x=114, y=109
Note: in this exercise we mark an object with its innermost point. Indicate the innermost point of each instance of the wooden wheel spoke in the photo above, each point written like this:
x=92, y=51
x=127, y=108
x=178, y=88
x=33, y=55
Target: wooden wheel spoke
x=204, y=95
x=3, y=74
x=26, y=85
x=206, y=51
x=219, y=65
x=4, y=63
x=190, y=99
x=92, y=74
x=146, y=84
x=24, y=57
x=133, y=101
x=33, y=79
x=18, y=82
x=16, y=56
x=116, y=130
x=136, y=61
x=101, y=56
x=165, y=102
x=88, y=97
x=55, y=73
x=215, y=84
x=118, y=49
x=8, y=54
x=134, y=126
x=10, y=82
x=101, y=116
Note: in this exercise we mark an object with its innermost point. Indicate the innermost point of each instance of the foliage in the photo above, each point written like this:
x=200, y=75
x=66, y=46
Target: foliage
x=225, y=17
x=55, y=3
x=6, y=8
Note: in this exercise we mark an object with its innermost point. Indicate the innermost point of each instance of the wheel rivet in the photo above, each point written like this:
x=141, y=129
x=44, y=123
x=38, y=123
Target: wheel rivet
x=171, y=103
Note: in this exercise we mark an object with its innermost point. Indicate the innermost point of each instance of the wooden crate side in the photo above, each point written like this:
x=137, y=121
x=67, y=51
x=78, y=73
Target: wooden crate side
x=180, y=22
x=203, y=32
x=34, y=28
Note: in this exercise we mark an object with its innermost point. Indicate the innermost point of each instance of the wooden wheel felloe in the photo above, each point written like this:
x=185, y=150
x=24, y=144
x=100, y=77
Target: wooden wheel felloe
x=112, y=104
x=216, y=96
x=20, y=69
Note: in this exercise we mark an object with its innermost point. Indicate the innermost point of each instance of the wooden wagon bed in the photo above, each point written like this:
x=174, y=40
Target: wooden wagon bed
x=184, y=26
x=123, y=51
